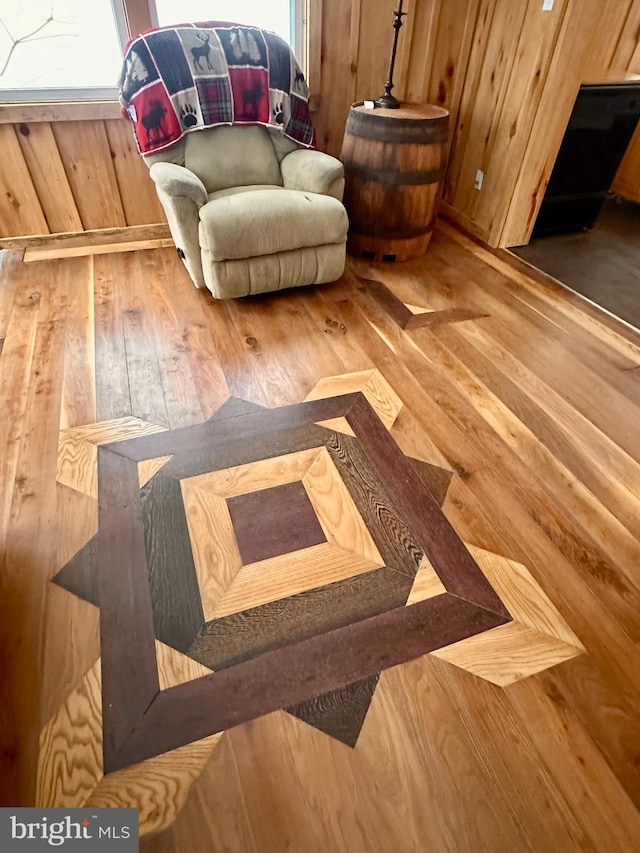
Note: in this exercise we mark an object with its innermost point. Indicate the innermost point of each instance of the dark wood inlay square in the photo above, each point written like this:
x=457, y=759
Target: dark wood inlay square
x=274, y=521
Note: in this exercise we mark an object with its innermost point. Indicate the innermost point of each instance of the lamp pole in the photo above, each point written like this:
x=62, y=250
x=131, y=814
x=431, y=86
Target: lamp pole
x=387, y=100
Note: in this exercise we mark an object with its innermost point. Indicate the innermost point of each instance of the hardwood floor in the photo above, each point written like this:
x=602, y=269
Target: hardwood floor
x=354, y=567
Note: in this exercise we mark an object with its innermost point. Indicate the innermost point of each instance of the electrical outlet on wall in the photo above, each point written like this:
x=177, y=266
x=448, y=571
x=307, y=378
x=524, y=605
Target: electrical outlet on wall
x=547, y=5
x=479, y=179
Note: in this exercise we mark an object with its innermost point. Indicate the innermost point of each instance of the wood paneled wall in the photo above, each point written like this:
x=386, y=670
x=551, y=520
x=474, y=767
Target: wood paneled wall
x=508, y=73
x=356, y=43
x=524, y=72
x=627, y=181
x=72, y=175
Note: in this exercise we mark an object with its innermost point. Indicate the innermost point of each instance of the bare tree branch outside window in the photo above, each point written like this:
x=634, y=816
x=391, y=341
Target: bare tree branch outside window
x=32, y=36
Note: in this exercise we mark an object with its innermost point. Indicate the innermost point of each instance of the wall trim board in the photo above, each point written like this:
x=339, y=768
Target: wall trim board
x=95, y=237
x=57, y=252
x=26, y=113
x=463, y=222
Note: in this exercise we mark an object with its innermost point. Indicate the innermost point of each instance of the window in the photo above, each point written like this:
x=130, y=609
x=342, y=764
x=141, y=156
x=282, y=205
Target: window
x=53, y=50
x=59, y=49
x=284, y=17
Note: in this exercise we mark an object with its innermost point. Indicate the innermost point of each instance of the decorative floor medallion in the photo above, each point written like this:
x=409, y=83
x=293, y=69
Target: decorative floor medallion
x=276, y=559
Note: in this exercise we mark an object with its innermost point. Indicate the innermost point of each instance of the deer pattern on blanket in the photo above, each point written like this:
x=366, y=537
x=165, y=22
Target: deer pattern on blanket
x=183, y=78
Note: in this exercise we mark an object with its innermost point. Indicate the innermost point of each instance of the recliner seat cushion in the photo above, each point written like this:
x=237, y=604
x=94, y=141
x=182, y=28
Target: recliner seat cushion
x=268, y=220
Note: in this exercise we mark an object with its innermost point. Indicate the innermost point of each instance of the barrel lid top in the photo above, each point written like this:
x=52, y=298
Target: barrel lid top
x=405, y=111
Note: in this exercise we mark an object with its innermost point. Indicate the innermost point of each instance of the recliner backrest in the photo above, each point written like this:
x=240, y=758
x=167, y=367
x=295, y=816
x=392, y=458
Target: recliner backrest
x=229, y=156
x=225, y=157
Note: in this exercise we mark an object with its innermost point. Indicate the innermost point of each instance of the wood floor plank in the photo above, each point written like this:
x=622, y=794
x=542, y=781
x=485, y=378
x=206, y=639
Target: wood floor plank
x=530, y=309
x=543, y=412
x=580, y=387
x=25, y=560
x=143, y=369
x=531, y=790
x=569, y=752
x=280, y=329
x=15, y=368
x=203, y=824
x=321, y=307
x=181, y=398
x=268, y=350
x=197, y=339
x=615, y=547
x=235, y=355
x=589, y=317
x=78, y=390
x=113, y=397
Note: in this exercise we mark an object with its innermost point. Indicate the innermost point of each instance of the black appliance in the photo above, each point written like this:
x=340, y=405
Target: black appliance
x=602, y=123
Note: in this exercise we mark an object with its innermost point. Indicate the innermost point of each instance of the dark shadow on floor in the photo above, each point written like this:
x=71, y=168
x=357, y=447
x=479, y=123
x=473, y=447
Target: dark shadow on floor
x=602, y=264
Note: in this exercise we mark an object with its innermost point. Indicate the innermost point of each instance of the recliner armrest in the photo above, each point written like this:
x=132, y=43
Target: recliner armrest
x=314, y=172
x=178, y=181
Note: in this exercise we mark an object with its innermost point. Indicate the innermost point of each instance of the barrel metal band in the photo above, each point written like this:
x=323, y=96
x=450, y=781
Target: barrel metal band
x=395, y=176
x=398, y=131
x=380, y=233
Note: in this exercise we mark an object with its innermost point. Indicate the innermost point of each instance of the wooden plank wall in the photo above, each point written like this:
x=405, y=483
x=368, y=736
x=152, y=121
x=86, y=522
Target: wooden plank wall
x=627, y=181
x=356, y=43
x=508, y=73
x=72, y=176
x=524, y=72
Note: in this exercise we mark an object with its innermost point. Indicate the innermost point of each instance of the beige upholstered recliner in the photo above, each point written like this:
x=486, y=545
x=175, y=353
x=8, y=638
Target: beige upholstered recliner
x=250, y=211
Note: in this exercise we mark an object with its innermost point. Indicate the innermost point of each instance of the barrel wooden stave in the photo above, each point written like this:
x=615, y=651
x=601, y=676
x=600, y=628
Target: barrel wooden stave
x=394, y=167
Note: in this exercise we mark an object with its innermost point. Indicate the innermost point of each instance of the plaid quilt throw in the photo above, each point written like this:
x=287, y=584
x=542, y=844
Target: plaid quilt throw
x=186, y=77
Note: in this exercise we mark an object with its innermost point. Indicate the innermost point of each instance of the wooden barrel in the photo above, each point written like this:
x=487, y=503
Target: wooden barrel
x=394, y=162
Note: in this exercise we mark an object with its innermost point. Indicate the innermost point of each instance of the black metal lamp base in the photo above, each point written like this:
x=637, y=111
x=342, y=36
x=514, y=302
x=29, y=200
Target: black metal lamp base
x=388, y=102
